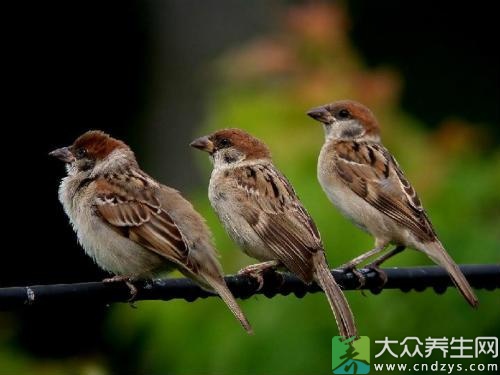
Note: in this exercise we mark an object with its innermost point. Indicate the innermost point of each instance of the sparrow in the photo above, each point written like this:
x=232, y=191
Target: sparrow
x=261, y=212
x=364, y=181
x=131, y=225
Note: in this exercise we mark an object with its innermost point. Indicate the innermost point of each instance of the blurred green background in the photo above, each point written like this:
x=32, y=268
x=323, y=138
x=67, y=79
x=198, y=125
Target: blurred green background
x=439, y=116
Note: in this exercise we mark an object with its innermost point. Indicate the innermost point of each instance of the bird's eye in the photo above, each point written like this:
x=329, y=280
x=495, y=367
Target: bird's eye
x=224, y=142
x=80, y=153
x=343, y=114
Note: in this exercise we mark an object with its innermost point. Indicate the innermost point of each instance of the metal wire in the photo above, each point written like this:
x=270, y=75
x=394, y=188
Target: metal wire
x=406, y=279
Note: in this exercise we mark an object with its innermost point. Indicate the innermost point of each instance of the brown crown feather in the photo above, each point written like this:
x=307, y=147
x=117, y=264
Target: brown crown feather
x=252, y=147
x=97, y=143
x=358, y=112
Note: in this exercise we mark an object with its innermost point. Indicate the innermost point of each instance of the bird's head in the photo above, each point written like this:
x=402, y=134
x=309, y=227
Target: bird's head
x=232, y=146
x=94, y=150
x=346, y=119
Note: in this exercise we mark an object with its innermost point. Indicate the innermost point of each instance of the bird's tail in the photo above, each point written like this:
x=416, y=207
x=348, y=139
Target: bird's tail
x=438, y=254
x=336, y=299
x=219, y=285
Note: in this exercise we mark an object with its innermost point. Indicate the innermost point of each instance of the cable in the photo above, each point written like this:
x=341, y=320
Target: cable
x=406, y=279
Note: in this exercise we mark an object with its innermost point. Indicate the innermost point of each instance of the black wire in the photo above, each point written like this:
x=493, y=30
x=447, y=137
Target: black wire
x=406, y=279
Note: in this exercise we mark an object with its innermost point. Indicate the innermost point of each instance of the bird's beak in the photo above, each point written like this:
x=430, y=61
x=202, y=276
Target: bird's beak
x=203, y=144
x=63, y=154
x=320, y=114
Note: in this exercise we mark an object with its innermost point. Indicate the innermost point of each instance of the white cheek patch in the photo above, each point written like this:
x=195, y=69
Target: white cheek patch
x=227, y=157
x=346, y=129
x=71, y=169
x=351, y=130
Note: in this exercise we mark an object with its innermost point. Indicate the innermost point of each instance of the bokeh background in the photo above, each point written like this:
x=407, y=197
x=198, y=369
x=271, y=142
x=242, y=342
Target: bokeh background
x=158, y=74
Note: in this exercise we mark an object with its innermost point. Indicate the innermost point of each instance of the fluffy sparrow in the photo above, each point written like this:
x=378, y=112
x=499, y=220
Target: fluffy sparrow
x=364, y=181
x=262, y=214
x=131, y=225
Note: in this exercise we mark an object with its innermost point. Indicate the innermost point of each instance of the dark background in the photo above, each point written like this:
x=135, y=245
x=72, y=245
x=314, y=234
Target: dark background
x=101, y=65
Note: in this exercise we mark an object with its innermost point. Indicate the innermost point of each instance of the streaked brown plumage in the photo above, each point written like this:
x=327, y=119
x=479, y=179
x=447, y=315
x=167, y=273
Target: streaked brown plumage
x=261, y=212
x=131, y=225
x=365, y=182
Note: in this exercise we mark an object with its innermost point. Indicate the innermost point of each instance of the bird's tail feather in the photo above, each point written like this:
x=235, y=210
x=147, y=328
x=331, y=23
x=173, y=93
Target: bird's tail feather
x=438, y=254
x=336, y=299
x=219, y=285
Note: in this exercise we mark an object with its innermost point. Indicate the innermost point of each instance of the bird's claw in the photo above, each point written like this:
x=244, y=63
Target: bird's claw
x=257, y=271
x=382, y=276
x=126, y=279
x=257, y=274
x=359, y=276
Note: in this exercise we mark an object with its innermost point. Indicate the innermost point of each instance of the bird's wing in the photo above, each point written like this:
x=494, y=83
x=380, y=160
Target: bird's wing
x=130, y=204
x=277, y=216
x=371, y=172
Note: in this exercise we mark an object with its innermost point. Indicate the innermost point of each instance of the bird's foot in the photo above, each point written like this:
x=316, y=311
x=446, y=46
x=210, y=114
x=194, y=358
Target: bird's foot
x=127, y=280
x=349, y=267
x=382, y=276
x=256, y=271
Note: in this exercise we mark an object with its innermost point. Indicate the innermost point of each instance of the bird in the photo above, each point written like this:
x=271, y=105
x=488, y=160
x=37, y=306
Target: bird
x=261, y=212
x=131, y=225
x=365, y=182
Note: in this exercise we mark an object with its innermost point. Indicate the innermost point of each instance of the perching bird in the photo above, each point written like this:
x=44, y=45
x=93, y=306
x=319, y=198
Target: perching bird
x=131, y=225
x=364, y=181
x=261, y=212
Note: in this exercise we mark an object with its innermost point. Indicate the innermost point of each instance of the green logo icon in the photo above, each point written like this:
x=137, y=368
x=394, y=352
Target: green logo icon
x=350, y=356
